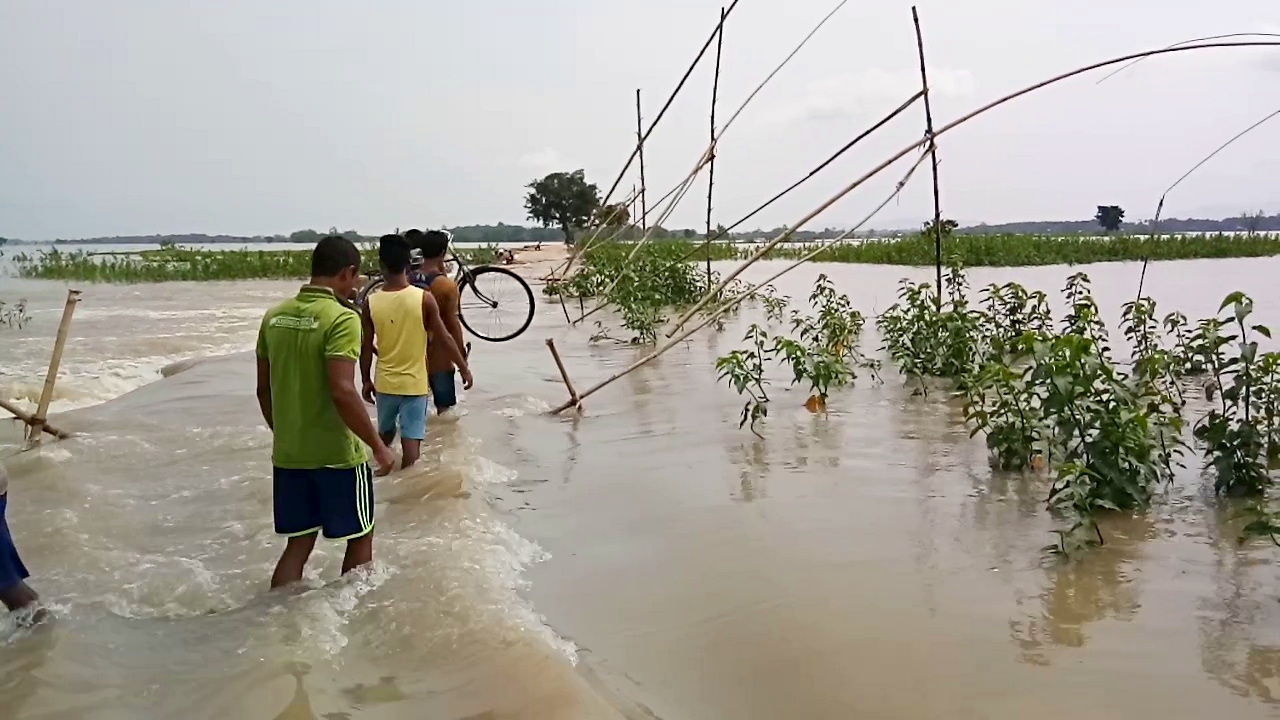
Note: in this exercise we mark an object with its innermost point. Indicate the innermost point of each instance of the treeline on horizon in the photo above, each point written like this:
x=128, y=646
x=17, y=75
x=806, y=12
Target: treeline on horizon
x=502, y=233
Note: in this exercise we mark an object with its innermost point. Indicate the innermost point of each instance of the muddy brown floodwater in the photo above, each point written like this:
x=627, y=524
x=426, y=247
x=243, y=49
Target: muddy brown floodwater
x=647, y=560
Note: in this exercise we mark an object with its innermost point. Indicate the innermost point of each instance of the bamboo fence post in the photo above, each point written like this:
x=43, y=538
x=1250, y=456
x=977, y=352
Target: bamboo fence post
x=782, y=237
x=933, y=156
x=711, y=170
x=36, y=425
x=574, y=400
x=644, y=210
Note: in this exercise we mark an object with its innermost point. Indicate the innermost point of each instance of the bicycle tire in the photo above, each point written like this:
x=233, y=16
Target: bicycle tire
x=374, y=282
x=469, y=283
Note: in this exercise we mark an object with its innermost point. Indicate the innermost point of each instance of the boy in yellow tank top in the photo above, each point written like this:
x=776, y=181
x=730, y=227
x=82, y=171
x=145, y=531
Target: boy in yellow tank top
x=399, y=318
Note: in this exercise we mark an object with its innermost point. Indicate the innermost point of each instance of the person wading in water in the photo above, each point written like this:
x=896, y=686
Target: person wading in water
x=433, y=277
x=399, y=318
x=307, y=351
x=16, y=595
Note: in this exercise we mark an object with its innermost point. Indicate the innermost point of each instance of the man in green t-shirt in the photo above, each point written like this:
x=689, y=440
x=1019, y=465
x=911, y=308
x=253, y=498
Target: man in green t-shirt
x=308, y=347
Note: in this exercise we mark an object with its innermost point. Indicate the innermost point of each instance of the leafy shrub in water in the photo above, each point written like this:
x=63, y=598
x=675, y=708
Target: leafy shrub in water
x=822, y=351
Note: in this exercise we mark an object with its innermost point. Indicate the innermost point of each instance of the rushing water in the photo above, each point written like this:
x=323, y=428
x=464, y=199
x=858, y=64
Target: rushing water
x=646, y=560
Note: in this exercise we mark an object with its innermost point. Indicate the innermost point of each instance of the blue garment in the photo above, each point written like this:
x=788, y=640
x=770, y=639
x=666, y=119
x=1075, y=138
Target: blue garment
x=443, y=389
x=410, y=410
x=340, y=502
x=12, y=571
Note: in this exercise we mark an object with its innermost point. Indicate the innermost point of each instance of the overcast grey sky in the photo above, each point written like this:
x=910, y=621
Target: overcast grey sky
x=248, y=117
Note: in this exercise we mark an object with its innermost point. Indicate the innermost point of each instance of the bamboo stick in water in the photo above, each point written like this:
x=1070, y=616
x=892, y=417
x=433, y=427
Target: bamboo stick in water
x=37, y=422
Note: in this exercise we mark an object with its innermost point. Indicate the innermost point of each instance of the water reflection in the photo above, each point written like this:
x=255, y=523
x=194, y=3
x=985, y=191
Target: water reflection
x=1097, y=584
x=752, y=461
x=1238, y=613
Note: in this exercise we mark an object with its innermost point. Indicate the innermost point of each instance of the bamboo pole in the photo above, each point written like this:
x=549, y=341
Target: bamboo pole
x=711, y=170
x=702, y=161
x=733, y=302
x=28, y=420
x=604, y=302
x=782, y=237
x=574, y=400
x=706, y=46
x=933, y=156
x=1155, y=222
x=37, y=422
x=644, y=210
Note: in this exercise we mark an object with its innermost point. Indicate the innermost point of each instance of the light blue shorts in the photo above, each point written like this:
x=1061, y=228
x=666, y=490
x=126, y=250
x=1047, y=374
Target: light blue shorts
x=410, y=410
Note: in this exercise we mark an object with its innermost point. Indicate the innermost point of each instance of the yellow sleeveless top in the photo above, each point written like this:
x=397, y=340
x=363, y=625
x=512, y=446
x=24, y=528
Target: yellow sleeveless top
x=401, y=340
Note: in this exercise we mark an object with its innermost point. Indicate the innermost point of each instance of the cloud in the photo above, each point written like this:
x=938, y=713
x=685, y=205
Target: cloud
x=848, y=95
x=545, y=160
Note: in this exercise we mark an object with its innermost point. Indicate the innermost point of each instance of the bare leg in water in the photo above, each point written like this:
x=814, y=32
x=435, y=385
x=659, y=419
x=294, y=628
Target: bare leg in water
x=293, y=560
x=359, y=552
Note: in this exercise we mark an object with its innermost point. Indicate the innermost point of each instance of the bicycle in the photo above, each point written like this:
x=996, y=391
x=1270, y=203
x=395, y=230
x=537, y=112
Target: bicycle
x=505, y=301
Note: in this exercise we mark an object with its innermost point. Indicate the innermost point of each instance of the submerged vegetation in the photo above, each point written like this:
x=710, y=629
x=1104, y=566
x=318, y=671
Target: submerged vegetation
x=820, y=350
x=1027, y=250
x=1049, y=396
x=174, y=263
x=14, y=316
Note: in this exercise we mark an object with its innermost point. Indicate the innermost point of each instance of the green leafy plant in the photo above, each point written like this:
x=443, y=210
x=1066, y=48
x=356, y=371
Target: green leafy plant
x=1237, y=433
x=744, y=370
x=822, y=350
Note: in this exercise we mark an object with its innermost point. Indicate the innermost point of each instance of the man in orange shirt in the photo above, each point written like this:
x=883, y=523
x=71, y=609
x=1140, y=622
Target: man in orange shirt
x=432, y=276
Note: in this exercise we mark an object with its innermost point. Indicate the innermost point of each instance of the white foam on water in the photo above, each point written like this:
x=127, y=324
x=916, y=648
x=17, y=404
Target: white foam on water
x=522, y=405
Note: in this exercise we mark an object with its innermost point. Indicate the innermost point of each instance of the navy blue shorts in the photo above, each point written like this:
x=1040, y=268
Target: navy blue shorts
x=12, y=571
x=339, y=502
x=442, y=389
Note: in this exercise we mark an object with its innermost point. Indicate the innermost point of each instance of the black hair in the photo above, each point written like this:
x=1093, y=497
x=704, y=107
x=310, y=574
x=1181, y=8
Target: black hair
x=434, y=244
x=393, y=253
x=413, y=237
x=332, y=255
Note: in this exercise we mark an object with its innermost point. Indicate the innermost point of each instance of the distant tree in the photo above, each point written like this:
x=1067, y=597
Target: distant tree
x=690, y=234
x=948, y=227
x=613, y=215
x=563, y=200
x=305, y=236
x=3, y=241
x=1252, y=222
x=1110, y=217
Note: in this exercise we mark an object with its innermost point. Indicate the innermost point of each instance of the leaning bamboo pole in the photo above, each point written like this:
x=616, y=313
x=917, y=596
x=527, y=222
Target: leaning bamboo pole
x=787, y=233
x=603, y=301
x=709, y=153
x=576, y=399
x=679, y=86
x=35, y=426
x=1155, y=222
x=752, y=96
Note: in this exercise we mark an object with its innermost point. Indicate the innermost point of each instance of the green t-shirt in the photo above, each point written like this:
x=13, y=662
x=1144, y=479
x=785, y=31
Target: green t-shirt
x=296, y=338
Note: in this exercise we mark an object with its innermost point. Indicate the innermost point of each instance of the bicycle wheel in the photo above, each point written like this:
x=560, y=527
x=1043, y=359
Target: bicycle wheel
x=375, y=282
x=495, y=303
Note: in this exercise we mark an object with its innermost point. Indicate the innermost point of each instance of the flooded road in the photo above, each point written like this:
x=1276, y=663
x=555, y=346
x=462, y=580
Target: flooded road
x=647, y=560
